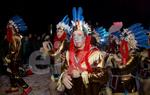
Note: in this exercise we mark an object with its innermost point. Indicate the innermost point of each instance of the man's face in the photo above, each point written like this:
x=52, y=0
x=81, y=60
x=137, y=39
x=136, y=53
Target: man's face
x=59, y=32
x=79, y=39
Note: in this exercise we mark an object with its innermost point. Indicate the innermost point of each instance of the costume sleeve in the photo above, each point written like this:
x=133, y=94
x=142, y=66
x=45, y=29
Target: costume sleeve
x=109, y=62
x=60, y=85
x=58, y=51
x=99, y=74
x=96, y=59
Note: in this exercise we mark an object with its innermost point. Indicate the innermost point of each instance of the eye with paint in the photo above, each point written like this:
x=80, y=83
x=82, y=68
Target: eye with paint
x=78, y=36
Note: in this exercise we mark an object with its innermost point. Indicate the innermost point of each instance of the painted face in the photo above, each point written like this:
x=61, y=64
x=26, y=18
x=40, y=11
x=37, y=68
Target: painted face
x=59, y=33
x=79, y=39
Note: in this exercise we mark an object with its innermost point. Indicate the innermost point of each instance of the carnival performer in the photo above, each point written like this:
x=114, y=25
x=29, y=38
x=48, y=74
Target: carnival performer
x=145, y=66
x=57, y=50
x=84, y=73
x=15, y=27
x=125, y=62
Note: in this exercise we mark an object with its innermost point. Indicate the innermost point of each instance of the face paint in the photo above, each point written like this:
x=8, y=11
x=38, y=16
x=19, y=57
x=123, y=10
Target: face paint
x=78, y=38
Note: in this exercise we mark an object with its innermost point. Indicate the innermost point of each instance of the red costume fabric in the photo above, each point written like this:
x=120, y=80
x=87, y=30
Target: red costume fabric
x=124, y=51
x=82, y=55
x=58, y=40
x=9, y=35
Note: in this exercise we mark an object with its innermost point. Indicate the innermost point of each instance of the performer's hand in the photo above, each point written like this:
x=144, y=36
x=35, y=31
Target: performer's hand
x=84, y=76
x=75, y=73
x=41, y=49
x=67, y=81
x=100, y=74
x=46, y=46
x=97, y=75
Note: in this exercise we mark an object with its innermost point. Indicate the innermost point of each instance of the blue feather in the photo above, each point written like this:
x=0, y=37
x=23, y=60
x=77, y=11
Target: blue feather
x=74, y=13
x=139, y=33
x=134, y=26
x=80, y=13
x=64, y=19
x=81, y=18
x=146, y=31
x=19, y=22
x=145, y=46
x=117, y=34
x=143, y=41
x=141, y=37
x=137, y=29
x=103, y=34
x=99, y=29
x=67, y=21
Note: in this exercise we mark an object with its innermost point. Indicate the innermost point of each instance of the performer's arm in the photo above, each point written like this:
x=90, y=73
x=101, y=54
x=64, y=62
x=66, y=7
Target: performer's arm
x=51, y=53
x=65, y=78
x=99, y=73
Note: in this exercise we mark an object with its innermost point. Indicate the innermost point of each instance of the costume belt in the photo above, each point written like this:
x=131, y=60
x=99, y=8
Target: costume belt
x=123, y=78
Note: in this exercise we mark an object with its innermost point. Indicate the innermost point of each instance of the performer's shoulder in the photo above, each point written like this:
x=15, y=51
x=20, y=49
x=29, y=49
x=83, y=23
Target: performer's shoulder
x=94, y=48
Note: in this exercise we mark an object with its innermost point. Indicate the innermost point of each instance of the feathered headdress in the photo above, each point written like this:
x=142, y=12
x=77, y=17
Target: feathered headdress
x=135, y=36
x=64, y=24
x=18, y=23
x=78, y=22
x=132, y=38
x=102, y=35
x=129, y=37
x=115, y=27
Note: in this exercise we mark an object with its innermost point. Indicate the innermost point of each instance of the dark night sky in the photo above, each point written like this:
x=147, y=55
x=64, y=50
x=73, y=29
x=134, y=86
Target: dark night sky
x=38, y=14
